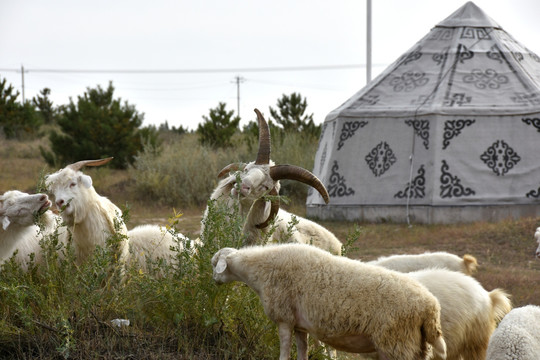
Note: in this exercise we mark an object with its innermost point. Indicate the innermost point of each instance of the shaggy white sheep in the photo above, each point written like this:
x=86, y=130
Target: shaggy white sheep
x=344, y=303
x=259, y=178
x=90, y=217
x=537, y=237
x=469, y=313
x=18, y=212
x=440, y=259
x=517, y=336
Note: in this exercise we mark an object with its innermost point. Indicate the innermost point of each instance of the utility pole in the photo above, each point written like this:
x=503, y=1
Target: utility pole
x=22, y=76
x=238, y=79
x=368, y=42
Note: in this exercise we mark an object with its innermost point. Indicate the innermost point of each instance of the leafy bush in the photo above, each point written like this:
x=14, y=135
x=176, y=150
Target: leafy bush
x=61, y=310
x=17, y=121
x=98, y=126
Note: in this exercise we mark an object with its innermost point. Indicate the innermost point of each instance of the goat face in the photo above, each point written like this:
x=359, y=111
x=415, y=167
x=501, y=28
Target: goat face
x=220, y=264
x=21, y=208
x=71, y=190
x=254, y=182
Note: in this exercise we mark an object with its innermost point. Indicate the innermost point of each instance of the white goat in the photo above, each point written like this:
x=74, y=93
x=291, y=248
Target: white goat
x=18, y=212
x=260, y=178
x=517, y=336
x=440, y=259
x=344, y=303
x=90, y=217
x=537, y=237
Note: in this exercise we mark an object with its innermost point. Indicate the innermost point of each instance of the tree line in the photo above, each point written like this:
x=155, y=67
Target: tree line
x=98, y=125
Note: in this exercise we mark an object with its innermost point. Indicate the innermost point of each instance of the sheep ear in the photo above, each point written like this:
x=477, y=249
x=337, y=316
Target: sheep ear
x=5, y=222
x=221, y=266
x=86, y=181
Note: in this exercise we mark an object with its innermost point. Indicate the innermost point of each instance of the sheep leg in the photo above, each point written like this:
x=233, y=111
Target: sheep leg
x=301, y=345
x=285, y=337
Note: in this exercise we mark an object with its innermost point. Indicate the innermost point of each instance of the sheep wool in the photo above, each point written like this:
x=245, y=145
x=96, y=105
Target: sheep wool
x=344, y=303
x=517, y=336
x=407, y=263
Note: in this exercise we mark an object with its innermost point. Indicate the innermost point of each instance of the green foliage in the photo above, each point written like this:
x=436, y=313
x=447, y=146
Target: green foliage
x=63, y=310
x=46, y=111
x=98, y=126
x=291, y=115
x=218, y=128
x=16, y=120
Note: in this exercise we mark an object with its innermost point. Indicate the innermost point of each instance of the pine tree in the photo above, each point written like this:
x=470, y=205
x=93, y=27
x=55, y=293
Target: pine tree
x=16, y=120
x=290, y=115
x=217, y=129
x=99, y=126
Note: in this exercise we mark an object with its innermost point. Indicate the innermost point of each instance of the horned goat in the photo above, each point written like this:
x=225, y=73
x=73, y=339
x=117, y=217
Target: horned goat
x=517, y=336
x=344, y=303
x=18, y=212
x=441, y=259
x=248, y=184
x=90, y=218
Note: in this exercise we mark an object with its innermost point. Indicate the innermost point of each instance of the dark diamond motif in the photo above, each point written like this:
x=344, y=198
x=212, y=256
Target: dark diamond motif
x=451, y=185
x=452, y=128
x=348, y=130
x=421, y=129
x=380, y=158
x=337, y=186
x=417, y=189
x=500, y=157
x=532, y=121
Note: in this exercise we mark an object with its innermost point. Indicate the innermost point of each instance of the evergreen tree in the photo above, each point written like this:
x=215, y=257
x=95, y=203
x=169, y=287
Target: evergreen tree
x=45, y=106
x=99, y=126
x=290, y=115
x=16, y=120
x=217, y=129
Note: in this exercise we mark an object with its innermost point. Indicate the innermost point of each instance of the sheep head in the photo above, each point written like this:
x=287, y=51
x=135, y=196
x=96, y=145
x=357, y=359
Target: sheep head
x=72, y=189
x=261, y=177
x=220, y=264
x=20, y=208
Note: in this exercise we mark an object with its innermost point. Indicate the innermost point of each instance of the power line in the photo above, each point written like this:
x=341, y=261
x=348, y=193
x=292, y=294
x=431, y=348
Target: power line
x=191, y=71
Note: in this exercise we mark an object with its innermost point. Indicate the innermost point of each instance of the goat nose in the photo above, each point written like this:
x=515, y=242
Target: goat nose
x=43, y=198
x=60, y=203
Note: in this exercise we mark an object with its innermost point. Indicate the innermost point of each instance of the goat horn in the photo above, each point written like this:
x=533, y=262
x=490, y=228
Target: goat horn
x=80, y=164
x=292, y=172
x=274, y=208
x=231, y=167
x=263, y=156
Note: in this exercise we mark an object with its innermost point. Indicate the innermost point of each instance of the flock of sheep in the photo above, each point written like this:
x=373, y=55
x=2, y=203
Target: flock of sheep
x=402, y=307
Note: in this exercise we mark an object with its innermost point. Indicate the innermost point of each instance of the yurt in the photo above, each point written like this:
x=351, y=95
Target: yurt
x=450, y=132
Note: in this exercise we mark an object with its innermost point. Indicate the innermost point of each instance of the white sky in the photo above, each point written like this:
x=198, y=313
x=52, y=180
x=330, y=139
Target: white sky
x=221, y=34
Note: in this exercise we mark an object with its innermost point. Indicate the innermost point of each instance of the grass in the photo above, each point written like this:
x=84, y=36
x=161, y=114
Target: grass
x=64, y=311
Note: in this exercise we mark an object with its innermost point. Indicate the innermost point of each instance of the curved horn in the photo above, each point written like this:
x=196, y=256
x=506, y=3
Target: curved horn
x=263, y=156
x=292, y=172
x=274, y=208
x=80, y=164
x=231, y=167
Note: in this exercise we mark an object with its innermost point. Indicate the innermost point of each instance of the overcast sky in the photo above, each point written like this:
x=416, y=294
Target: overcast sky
x=201, y=35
